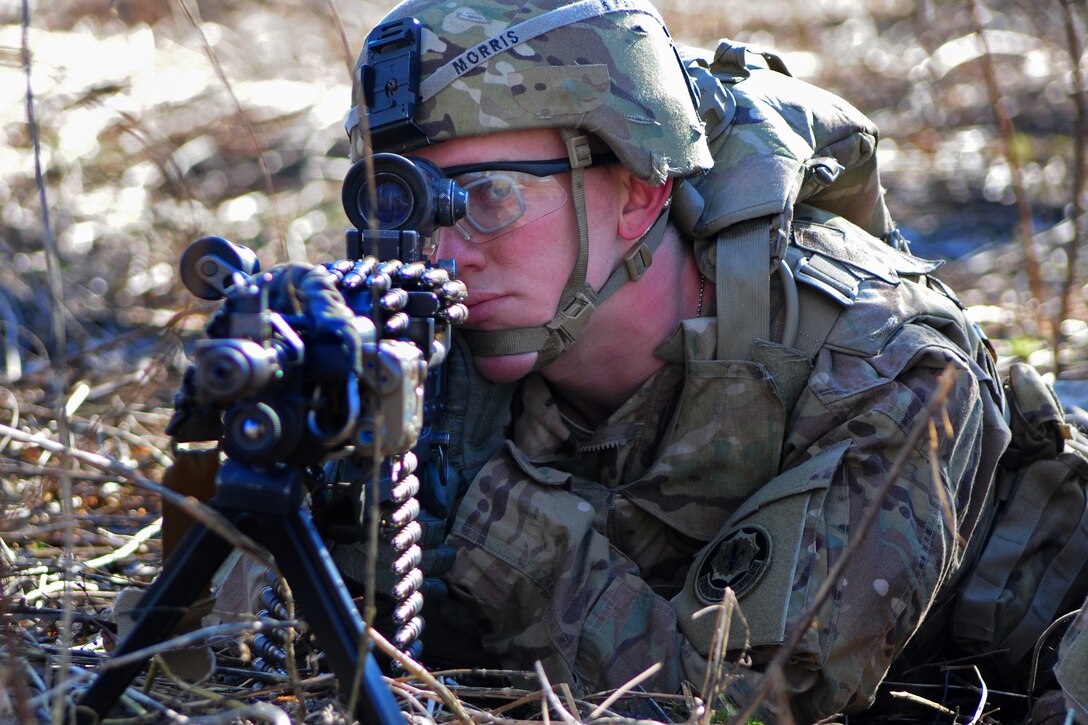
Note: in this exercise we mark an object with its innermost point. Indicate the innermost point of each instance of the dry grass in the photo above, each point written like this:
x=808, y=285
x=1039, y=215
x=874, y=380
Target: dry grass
x=158, y=122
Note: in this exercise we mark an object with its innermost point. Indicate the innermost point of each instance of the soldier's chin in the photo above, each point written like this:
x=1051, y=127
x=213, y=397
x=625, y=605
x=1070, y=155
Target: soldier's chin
x=505, y=368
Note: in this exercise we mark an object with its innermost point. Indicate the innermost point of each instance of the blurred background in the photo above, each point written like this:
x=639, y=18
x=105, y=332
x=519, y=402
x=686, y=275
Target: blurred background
x=163, y=120
x=157, y=122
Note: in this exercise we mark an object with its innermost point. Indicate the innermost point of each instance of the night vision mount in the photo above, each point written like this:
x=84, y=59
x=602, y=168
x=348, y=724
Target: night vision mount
x=389, y=81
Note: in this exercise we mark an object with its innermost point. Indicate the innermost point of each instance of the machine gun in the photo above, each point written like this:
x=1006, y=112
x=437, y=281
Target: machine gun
x=303, y=365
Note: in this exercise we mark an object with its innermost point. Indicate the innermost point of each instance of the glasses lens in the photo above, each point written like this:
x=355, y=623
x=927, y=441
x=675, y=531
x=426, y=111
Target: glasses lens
x=499, y=201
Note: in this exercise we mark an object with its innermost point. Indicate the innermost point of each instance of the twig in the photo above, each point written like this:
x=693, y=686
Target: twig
x=713, y=683
x=952, y=688
x=167, y=166
x=416, y=670
x=412, y=696
x=133, y=695
x=24, y=612
x=935, y=474
x=919, y=700
x=1012, y=157
x=550, y=696
x=129, y=547
x=109, y=539
x=27, y=470
x=630, y=684
x=513, y=704
x=322, y=681
x=289, y=640
x=60, y=375
x=568, y=695
x=232, y=704
x=200, y=511
x=52, y=258
x=133, y=544
x=84, y=425
x=344, y=45
x=984, y=695
x=63, y=586
x=1080, y=173
x=371, y=499
x=1037, y=650
x=774, y=672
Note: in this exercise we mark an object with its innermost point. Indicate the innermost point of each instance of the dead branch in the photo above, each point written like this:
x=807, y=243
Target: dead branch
x=919, y=700
x=1012, y=158
x=197, y=509
x=56, y=302
x=1080, y=173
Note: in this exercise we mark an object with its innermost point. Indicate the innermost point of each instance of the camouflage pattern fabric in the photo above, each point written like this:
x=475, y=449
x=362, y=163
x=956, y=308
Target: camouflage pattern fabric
x=802, y=142
x=1033, y=566
x=590, y=550
x=1072, y=668
x=615, y=75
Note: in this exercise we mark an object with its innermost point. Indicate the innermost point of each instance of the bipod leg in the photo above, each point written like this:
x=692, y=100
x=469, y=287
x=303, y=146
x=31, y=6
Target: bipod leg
x=269, y=506
x=182, y=581
x=323, y=599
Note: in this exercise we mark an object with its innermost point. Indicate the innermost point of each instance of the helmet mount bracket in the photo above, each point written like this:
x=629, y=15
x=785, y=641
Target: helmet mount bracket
x=390, y=83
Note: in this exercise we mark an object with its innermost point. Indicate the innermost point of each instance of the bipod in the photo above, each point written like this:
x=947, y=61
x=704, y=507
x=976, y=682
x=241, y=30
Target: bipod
x=266, y=505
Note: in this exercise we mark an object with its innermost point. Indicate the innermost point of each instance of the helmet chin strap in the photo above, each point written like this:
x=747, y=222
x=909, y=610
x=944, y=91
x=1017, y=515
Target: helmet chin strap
x=578, y=299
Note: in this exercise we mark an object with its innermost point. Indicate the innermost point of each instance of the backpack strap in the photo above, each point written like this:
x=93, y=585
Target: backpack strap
x=741, y=283
x=976, y=611
x=817, y=313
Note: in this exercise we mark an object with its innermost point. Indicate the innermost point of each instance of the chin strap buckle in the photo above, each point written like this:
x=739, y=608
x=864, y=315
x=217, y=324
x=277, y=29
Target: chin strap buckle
x=638, y=260
x=578, y=151
x=572, y=319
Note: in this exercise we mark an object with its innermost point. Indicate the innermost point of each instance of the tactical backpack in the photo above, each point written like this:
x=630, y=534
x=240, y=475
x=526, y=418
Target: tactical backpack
x=804, y=145
x=1028, y=560
x=1032, y=566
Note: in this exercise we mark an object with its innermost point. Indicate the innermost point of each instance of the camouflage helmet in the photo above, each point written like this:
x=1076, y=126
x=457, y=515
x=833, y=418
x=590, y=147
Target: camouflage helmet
x=435, y=70
x=607, y=67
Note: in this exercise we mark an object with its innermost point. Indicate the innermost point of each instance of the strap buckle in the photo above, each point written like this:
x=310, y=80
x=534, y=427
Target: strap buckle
x=572, y=319
x=578, y=151
x=637, y=261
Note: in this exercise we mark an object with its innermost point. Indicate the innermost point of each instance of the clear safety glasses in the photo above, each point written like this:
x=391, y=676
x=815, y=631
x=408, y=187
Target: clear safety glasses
x=506, y=195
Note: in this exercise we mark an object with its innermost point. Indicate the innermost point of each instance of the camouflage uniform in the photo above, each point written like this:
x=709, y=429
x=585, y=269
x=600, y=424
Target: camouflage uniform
x=590, y=550
x=1072, y=668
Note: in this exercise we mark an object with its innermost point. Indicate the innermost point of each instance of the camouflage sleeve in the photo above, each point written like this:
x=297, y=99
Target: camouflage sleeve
x=552, y=588
x=924, y=523
x=556, y=591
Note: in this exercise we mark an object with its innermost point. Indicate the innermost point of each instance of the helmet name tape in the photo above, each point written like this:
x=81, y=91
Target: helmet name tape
x=472, y=58
x=521, y=33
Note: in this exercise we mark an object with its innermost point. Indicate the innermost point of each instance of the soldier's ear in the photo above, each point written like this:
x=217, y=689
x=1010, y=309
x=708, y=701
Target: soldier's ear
x=640, y=204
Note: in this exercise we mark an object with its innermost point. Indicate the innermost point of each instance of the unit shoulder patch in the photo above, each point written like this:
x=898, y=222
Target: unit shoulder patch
x=736, y=561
